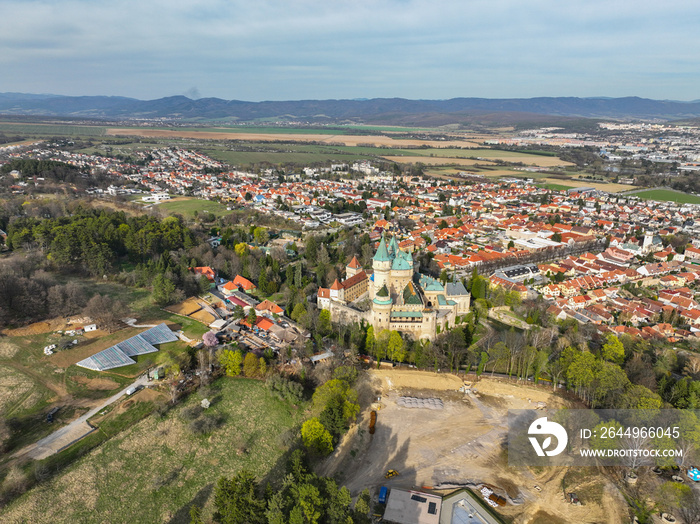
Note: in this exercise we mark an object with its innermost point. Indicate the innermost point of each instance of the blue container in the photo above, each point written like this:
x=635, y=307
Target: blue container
x=382, y=495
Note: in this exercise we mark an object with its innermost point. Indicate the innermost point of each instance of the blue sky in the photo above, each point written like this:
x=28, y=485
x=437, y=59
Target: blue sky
x=302, y=49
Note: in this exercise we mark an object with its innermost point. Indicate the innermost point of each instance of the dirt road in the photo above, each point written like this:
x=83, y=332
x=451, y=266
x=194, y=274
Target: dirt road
x=74, y=431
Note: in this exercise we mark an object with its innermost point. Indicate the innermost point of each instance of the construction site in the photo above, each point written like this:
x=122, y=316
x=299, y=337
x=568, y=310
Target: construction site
x=439, y=434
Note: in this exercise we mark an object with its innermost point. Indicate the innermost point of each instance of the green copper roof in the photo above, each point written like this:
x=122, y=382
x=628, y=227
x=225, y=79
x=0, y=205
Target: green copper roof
x=393, y=245
x=410, y=296
x=400, y=263
x=383, y=292
x=430, y=284
x=382, y=300
x=382, y=254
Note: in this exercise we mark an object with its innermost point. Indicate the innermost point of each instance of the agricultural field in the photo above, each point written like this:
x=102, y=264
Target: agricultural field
x=186, y=207
x=51, y=129
x=555, y=187
x=436, y=160
x=459, y=156
x=667, y=195
x=169, y=466
x=245, y=158
x=332, y=139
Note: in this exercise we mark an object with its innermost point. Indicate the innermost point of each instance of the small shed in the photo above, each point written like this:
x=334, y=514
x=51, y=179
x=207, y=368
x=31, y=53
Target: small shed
x=320, y=357
x=90, y=327
x=218, y=324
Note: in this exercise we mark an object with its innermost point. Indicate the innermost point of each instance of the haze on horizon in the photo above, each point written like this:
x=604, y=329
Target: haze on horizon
x=274, y=50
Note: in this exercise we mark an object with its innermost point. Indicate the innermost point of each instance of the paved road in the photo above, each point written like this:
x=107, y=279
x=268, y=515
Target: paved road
x=74, y=431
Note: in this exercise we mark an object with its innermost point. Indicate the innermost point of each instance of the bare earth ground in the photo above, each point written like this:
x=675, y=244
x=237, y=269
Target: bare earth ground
x=185, y=308
x=463, y=443
x=348, y=140
x=96, y=383
x=191, y=308
x=610, y=188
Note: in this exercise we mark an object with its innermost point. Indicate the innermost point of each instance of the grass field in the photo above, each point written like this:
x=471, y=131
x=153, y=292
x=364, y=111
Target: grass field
x=51, y=129
x=156, y=469
x=667, y=195
x=186, y=207
x=555, y=187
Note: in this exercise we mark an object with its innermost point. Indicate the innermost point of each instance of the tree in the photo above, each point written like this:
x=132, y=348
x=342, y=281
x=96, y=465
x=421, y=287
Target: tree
x=231, y=361
x=362, y=506
x=369, y=340
x=613, y=350
x=262, y=367
x=251, y=366
x=311, y=249
x=316, y=437
x=107, y=313
x=196, y=515
x=203, y=285
x=324, y=322
x=163, y=291
x=252, y=317
x=209, y=339
x=238, y=312
x=395, y=347
x=262, y=279
x=261, y=235
x=297, y=312
x=337, y=388
x=609, y=383
x=236, y=500
x=483, y=360
x=539, y=364
x=310, y=501
x=672, y=496
x=333, y=418
x=581, y=373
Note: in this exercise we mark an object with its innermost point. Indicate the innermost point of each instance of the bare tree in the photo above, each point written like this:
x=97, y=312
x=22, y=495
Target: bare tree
x=689, y=509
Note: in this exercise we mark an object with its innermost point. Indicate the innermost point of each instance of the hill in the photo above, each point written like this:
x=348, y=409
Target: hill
x=377, y=110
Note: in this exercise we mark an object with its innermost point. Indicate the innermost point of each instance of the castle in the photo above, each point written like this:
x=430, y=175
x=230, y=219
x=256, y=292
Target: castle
x=401, y=299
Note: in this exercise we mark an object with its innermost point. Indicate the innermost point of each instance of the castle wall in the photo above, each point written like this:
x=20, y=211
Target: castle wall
x=345, y=315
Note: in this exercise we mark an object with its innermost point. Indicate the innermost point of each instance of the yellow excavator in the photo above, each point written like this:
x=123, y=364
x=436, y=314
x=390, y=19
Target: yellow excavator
x=391, y=473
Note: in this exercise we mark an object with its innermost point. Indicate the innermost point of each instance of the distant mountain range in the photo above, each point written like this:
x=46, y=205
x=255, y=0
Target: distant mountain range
x=376, y=111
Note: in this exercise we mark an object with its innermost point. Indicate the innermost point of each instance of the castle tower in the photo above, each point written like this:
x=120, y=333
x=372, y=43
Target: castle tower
x=337, y=291
x=381, y=309
x=353, y=268
x=381, y=263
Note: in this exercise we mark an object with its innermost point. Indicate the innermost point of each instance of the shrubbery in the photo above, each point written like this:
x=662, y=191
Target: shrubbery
x=285, y=389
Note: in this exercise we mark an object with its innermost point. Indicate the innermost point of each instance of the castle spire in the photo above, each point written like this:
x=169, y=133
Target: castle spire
x=382, y=254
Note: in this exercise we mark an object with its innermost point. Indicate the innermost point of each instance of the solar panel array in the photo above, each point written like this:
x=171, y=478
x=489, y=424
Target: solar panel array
x=159, y=335
x=120, y=354
x=109, y=358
